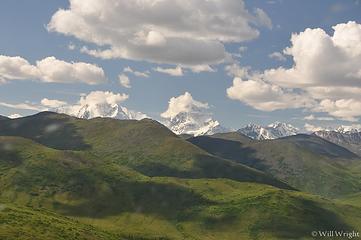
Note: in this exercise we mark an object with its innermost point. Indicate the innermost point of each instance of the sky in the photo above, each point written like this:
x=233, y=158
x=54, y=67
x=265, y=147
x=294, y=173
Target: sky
x=240, y=61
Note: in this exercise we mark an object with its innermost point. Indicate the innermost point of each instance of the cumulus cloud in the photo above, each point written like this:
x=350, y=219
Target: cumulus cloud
x=50, y=69
x=345, y=109
x=265, y=96
x=179, y=32
x=17, y=68
x=183, y=104
x=325, y=76
x=52, y=103
x=175, y=72
x=124, y=80
x=99, y=97
x=101, y=104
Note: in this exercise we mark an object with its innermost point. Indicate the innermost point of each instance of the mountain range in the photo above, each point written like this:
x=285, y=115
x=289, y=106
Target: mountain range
x=347, y=137
x=198, y=123
x=64, y=177
x=104, y=110
x=272, y=131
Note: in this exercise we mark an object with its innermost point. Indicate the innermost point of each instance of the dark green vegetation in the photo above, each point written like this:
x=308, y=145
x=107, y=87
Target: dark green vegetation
x=66, y=178
x=306, y=162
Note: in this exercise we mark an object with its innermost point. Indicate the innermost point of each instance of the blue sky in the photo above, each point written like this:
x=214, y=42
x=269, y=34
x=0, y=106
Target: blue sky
x=23, y=26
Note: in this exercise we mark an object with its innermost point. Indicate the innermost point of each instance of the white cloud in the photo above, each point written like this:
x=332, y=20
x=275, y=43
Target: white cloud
x=101, y=104
x=265, y=96
x=321, y=60
x=15, y=115
x=52, y=103
x=202, y=68
x=325, y=76
x=277, y=56
x=345, y=109
x=179, y=32
x=54, y=70
x=183, y=104
x=124, y=80
x=176, y=72
x=262, y=18
x=71, y=46
x=23, y=106
x=313, y=118
x=235, y=70
x=17, y=68
x=312, y=128
x=50, y=69
x=100, y=97
x=136, y=73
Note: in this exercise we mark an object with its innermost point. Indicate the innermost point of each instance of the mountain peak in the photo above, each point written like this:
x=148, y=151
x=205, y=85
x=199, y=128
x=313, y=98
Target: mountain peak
x=348, y=129
x=103, y=110
x=271, y=131
x=194, y=123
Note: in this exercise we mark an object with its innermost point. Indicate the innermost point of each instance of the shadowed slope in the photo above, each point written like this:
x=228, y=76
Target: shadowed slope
x=145, y=146
x=306, y=162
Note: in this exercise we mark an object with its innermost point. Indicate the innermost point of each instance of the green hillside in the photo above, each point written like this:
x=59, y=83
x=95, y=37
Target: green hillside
x=66, y=178
x=25, y=223
x=353, y=199
x=145, y=146
x=233, y=136
x=305, y=162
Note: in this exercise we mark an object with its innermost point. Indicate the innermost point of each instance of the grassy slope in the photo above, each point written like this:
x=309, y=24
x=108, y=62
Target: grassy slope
x=305, y=162
x=145, y=146
x=25, y=223
x=122, y=202
x=96, y=190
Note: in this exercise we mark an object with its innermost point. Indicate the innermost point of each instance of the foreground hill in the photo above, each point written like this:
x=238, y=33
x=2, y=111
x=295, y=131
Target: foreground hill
x=145, y=146
x=74, y=195
x=305, y=162
x=27, y=223
x=66, y=178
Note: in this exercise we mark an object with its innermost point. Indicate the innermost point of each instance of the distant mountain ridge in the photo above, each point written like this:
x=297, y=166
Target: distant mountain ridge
x=346, y=136
x=271, y=131
x=104, y=110
x=195, y=123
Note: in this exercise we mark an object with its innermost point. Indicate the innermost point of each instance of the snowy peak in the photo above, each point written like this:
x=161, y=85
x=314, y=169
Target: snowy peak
x=194, y=123
x=104, y=110
x=272, y=131
x=279, y=130
x=346, y=136
x=348, y=129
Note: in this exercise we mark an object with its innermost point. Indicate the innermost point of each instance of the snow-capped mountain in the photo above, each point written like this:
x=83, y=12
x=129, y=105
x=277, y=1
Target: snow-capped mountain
x=194, y=123
x=272, y=131
x=89, y=111
x=346, y=136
